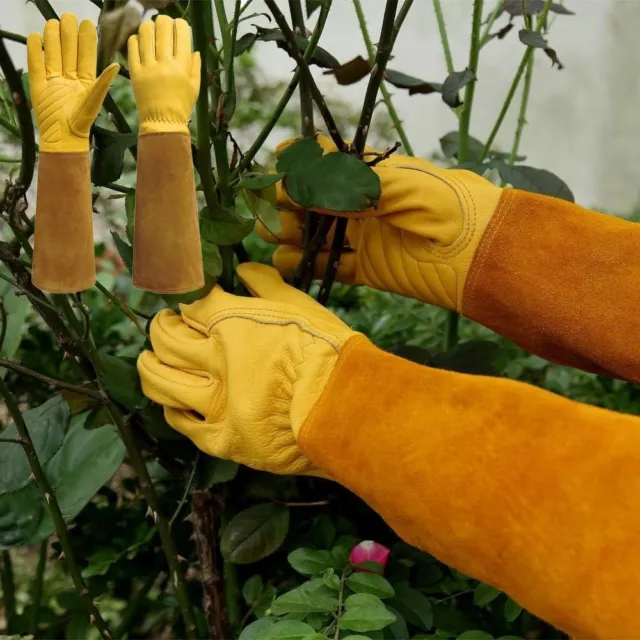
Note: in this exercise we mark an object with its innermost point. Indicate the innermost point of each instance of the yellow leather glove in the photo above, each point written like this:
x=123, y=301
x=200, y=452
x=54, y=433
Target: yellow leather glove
x=66, y=99
x=165, y=75
x=239, y=376
x=419, y=241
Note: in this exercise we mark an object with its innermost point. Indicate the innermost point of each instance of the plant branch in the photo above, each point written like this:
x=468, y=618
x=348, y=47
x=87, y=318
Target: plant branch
x=444, y=37
x=524, y=103
x=306, y=99
x=386, y=95
x=27, y=134
x=51, y=382
x=337, y=246
x=123, y=307
x=54, y=509
x=522, y=67
x=294, y=52
x=14, y=37
x=286, y=97
x=38, y=588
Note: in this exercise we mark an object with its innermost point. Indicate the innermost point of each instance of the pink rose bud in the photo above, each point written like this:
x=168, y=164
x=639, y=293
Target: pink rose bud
x=369, y=551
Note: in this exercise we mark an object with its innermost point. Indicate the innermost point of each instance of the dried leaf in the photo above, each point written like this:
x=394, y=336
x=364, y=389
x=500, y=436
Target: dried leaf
x=350, y=72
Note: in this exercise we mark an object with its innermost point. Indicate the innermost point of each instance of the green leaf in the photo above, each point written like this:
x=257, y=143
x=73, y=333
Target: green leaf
x=532, y=39
x=331, y=580
x=71, y=601
x=84, y=463
x=251, y=631
x=534, y=180
x=47, y=425
x=398, y=629
x=255, y=533
x=449, y=145
x=262, y=206
x=312, y=5
x=20, y=515
x=122, y=382
x=413, y=606
x=303, y=151
x=321, y=57
x=479, y=357
x=370, y=583
x=475, y=635
x=215, y=471
x=366, y=617
x=252, y=589
x=358, y=637
x=454, y=83
x=130, y=210
x=310, y=597
x=224, y=227
x=245, y=43
x=362, y=599
x=17, y=309
x=286, y=630
x=336, y=181
x=512, y=610
x=80, y=628
x=108, y=157
x=315, y=636
x=211, y=259
x=309, y=561
x=484, y=594
x=341, y=555
x=323, y=532
x=414, y=85
x=124, y=249
x=259, y=181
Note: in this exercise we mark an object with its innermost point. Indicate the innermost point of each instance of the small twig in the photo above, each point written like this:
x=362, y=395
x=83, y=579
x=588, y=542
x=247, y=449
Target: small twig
x=294, y=52
x=54, y=510
x=316, y=503
x=383, y=156
x=337, y=247
x=304, y=273
x=187, y=489
x=3, y=317
x=51, y=382
x=123, y=307
x=120, y=188
x=10, y=441
x=14, y=37
x=134, y=603
x=522, y=116
x=38, y=588
x=340, y=597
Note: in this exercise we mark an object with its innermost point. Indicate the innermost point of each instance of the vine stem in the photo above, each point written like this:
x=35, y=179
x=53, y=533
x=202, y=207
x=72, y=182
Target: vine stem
x=514, y=85
x=453, y=317
x=286, y=97
x=524, y=103
x=444, y=37
x=294, y=52
x=384, y=90
x=51, y=382
x=54, y=509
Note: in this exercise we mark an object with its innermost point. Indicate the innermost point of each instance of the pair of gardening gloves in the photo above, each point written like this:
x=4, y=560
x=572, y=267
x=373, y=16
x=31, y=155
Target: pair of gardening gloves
x=527, y=491
x=67, y=97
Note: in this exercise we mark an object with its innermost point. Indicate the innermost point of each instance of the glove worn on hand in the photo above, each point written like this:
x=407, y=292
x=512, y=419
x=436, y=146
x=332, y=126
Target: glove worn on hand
x=66, y=99
x=239, y=376
x=165, y=75
x=419, y=241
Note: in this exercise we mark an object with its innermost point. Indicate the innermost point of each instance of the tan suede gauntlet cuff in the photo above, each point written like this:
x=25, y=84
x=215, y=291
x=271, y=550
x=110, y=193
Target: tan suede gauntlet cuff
x=167, y=257
x=63, y=255
x=515, y=486
x=562, y=282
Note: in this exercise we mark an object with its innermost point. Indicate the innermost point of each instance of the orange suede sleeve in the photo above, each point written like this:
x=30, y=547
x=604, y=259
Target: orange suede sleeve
x=562, y=282
x=527, y=491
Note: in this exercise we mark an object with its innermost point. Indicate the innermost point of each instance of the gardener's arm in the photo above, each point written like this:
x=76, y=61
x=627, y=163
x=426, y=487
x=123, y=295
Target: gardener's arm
x=527, y=491
x=557, y=279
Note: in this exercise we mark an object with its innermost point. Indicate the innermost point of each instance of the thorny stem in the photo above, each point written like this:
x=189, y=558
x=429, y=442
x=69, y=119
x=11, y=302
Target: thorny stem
x=294, y=52
x=337, y=247
x=444, y=37
x=38, y=584
x=123, y=307
x=8, y=590
x=522, y=116
x=51, y=382
x=486, y=35
x=516, y=81
x=286, y=97
x=54, y=509
x=386, y=95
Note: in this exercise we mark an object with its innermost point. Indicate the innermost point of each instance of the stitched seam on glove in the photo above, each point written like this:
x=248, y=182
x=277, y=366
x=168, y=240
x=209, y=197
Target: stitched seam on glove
x=266, y=318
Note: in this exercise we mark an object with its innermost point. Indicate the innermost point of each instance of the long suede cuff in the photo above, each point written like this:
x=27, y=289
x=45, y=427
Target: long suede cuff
x=560, y=281
x=167, y=257
x=527, y=491
x=63, y=255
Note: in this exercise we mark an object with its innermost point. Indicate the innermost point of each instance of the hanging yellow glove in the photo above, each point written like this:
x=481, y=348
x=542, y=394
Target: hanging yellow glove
x=66, y=99
x=419, y=241
x=239, y=376
x=165, y=75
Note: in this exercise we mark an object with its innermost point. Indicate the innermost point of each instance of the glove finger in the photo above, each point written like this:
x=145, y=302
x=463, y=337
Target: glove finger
x=164, y=38
x=35, y=63
x=182, y=44
x=87, y=111
x=87, y=51
x=146, y=41
x=195, y=72
x=203, y=434
x=69, y=41
x=52, y=49
x=133, y=55
x=173, y=387
x=286, y=260
x=179, y=345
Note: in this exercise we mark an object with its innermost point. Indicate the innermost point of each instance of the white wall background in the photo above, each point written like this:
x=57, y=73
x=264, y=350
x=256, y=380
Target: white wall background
x=584, y=121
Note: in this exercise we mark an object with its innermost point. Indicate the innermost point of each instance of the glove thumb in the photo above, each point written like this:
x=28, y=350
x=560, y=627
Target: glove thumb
x=89, y=108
